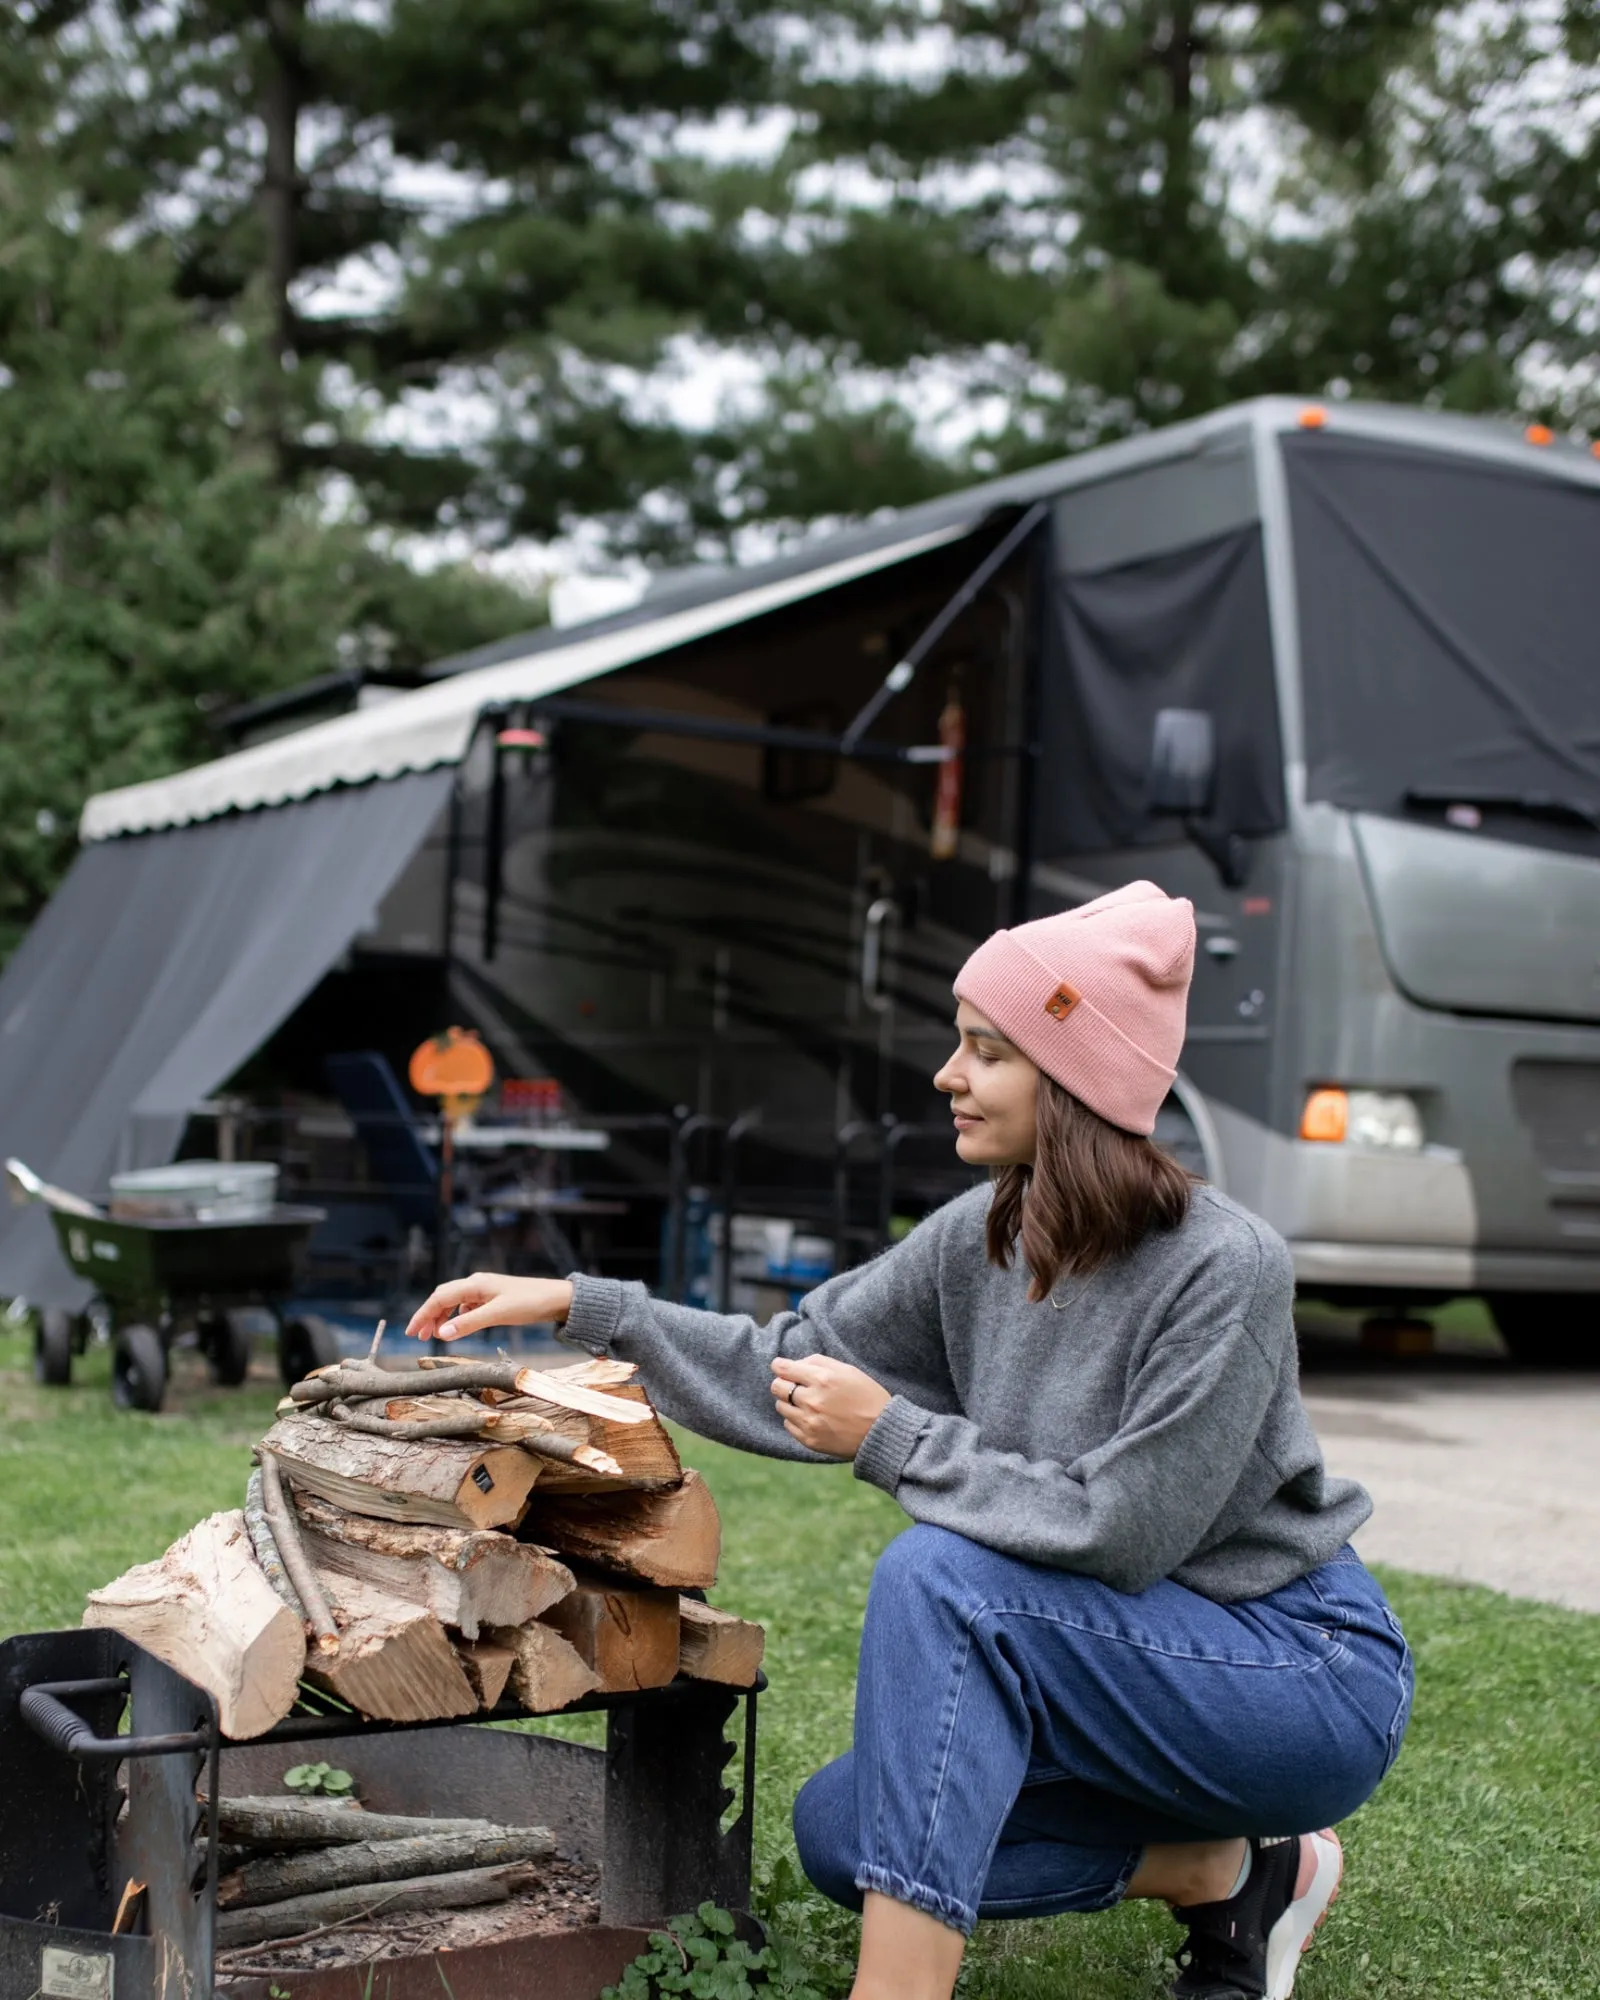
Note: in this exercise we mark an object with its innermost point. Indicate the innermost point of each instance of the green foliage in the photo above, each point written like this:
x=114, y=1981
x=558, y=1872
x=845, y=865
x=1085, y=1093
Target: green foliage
x=322, y=1781
x=699, y=1955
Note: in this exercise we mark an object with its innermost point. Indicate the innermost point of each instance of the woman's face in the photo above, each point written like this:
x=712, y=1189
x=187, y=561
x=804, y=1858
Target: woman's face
x=993, y=1091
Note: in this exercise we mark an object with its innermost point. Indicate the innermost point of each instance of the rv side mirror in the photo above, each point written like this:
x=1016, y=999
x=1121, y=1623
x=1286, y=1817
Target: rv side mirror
x=1183, y=762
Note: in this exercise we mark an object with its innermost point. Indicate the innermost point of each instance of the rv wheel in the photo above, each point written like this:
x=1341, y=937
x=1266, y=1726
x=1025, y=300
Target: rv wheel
x=138, y=1368
x=305, y=1344
x=52, y=1347
x=1549, y=1329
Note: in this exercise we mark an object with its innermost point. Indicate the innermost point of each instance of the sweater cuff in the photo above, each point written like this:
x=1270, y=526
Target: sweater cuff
x=886, y=1447
x=596, y=1312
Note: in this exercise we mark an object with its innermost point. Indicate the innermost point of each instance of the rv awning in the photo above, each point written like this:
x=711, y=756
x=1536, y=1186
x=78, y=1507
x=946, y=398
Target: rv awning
x=433, y=726
x=158, y=967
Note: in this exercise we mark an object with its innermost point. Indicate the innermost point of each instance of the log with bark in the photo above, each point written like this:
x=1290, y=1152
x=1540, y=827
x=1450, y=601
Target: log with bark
x=644, y=1452
x=206, y=1609
x=394, y=1662
x=276, y=1877
x=672, y=1538
x=459, y=1891
x=449, y=1484
x=466, y=1578
x=625, y=1633
x=515, y=1421
x=548, y=1672
x=288, y=1819
x=715, y=1646
x=487, y=1668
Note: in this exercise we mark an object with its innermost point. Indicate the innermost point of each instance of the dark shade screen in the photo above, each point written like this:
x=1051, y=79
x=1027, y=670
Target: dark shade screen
x=1187, y=629
x=1450, y=630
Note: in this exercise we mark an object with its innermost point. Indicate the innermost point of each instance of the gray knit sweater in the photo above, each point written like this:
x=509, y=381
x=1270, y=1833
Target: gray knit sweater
x=1144, y=1423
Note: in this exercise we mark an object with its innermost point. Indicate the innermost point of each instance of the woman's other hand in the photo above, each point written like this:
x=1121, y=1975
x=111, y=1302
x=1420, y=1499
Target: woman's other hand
x=472, y=1305
x=826, y=1405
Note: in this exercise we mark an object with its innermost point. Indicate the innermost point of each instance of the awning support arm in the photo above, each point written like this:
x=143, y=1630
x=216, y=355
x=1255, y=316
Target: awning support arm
x=902, y=673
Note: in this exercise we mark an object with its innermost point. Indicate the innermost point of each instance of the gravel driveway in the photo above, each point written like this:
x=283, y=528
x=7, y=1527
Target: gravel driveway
x=1477, y=1471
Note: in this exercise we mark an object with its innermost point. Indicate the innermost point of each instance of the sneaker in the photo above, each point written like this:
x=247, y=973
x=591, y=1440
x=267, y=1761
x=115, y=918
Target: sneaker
x=1248, y=1948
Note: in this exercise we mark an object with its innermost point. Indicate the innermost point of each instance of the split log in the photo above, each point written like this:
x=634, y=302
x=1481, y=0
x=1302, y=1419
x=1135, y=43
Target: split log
x=289, y=1820
x=548, y=1673
x=625, y=1633
x=487, y=1668
x=715, y=1646
x=467, y=1579
x=673, y=1538
x=452, y=1485
x=206, y=1609
x=394, y=1662
x=643, y=1451
x=460, y=1891
x=277, y=1877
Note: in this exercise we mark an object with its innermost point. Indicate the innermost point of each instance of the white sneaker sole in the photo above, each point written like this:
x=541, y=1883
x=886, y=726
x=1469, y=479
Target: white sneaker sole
x=1294, y=1930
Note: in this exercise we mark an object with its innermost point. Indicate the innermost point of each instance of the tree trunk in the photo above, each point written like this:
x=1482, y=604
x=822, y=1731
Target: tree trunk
x=278, y=1876
x=626, y=1633
x=465, y=1579
x=394, y=1662
x=716, y=1646
x=672, y=1538
x=451, y=1485
x=336, y=1906
x=206, y=1609
x=548, y=1672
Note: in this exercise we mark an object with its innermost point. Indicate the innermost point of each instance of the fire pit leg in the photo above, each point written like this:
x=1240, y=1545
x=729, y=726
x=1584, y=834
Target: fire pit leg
x=665, y=1794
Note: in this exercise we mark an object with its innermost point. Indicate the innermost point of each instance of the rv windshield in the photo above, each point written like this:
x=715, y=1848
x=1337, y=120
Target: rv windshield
x=1450, y=620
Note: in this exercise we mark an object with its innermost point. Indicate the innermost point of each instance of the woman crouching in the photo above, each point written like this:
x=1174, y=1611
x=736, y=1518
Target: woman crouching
x=1126, y=1650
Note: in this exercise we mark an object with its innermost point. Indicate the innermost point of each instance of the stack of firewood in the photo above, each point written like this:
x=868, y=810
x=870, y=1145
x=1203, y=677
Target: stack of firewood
x=440, y=1540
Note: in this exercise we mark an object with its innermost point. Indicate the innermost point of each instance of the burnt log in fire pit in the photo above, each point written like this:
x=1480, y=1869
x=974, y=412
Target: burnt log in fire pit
x=109, y=1857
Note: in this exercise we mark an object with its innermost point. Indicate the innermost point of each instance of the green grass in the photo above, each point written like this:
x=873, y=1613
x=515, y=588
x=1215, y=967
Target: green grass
x=1474, y=1871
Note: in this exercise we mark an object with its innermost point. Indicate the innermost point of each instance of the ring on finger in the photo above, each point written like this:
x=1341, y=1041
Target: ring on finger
x=792, y=1387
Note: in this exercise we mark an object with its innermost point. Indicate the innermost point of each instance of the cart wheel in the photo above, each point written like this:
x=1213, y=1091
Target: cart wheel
x=138, y=1368
x=305, y=1344
x=52, y=1347
x=225, y=1343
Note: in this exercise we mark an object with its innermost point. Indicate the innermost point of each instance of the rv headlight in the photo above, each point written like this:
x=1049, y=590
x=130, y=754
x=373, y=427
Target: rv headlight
x=1378, y=1121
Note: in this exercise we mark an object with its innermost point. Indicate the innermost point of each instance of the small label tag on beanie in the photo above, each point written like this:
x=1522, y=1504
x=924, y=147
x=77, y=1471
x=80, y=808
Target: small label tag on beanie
x=1061, y=1002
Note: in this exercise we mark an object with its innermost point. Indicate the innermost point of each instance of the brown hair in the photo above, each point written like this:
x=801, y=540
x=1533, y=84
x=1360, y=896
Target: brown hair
x=1092, y=1194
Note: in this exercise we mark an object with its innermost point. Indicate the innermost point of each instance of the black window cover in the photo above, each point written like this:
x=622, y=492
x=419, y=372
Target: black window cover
x=1449, y=627
x=1187, y=629
x=161, y=963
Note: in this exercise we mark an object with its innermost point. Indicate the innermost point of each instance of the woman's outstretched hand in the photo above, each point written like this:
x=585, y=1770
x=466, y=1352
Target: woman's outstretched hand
x=472, y=1305
x=826, y=1405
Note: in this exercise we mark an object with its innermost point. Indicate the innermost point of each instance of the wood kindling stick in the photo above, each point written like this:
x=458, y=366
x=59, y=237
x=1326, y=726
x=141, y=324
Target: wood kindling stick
x=372, y=1351
x=469, y=1422
x=286, y=1534
x=356, y=1378
x=259, y=1529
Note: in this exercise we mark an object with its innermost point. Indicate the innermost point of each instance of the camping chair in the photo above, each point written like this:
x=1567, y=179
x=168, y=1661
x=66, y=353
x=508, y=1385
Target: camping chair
x=407, y=1169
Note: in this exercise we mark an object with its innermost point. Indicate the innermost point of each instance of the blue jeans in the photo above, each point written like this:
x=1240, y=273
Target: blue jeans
x=1023, y=1733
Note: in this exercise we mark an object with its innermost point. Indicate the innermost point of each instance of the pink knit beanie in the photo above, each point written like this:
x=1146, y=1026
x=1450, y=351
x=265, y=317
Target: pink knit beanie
x=1095, y=996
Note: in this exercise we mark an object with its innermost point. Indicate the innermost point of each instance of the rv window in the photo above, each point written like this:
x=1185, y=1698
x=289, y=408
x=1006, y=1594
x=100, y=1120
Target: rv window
x=1449, y=608
x=1185, y=630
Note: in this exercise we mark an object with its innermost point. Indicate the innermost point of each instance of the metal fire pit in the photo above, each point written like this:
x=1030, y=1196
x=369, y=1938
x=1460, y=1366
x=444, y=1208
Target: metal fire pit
x=104, y=1752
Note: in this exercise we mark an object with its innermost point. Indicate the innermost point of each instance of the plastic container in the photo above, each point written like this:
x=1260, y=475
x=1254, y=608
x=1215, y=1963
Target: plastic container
x=196, y=1191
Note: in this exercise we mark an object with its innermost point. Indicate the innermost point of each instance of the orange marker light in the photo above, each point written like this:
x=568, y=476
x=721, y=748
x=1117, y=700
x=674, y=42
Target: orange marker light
x=1325, y=1117
x=1539, y=434
x=1313, y=417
